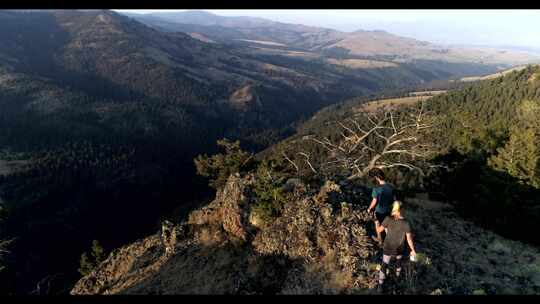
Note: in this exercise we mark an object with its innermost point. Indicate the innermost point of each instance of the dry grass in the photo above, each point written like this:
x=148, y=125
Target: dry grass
x=534, y=77
x=390, y=103
x=466, y=259
x=201, y=37
x=243, y=97
x=306, y=55
x=361, y=63
x=427, y=93
x=495, y=75
x=263, y=42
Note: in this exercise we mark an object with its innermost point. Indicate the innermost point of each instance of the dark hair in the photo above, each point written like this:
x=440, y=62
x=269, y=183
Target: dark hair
x=376, y=173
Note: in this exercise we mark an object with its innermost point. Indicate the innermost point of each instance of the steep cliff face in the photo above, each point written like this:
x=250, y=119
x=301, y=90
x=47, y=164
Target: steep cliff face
x=319, y=244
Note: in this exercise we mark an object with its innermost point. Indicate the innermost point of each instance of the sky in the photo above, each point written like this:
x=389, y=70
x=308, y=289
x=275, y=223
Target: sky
x=470, y=27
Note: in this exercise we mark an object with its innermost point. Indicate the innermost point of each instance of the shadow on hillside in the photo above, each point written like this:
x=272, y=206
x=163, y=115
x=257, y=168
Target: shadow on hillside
x=491, y=198
x=53, y=232
x=93, y=85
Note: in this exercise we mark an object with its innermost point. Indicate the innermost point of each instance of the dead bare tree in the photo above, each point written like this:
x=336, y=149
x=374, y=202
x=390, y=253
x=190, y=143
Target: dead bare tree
x=383, y=139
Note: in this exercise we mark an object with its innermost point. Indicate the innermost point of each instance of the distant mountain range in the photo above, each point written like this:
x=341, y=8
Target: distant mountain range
x=377, y=44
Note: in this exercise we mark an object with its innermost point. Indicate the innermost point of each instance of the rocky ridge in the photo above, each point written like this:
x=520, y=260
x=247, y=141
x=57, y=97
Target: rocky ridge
x=319, y=244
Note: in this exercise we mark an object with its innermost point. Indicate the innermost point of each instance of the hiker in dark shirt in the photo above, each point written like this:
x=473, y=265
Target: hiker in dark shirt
x=397, y=231
x=382, y=198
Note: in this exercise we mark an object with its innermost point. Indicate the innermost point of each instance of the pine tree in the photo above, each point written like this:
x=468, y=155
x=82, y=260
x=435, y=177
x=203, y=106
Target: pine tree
x=219, y=167
x=87, y=265
x=520, y=157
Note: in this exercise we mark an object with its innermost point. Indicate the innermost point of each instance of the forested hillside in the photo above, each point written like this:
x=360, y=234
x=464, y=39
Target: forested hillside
x=491, y=133
x=482, y=145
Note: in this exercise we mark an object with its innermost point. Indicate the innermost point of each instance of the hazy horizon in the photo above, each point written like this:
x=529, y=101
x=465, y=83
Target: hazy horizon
x=495, y=28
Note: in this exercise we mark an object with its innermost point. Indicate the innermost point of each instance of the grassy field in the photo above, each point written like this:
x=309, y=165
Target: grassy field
x=361, y=63
x=263, y=42
x=492, y=76
x=390, y=103
x=427, y=93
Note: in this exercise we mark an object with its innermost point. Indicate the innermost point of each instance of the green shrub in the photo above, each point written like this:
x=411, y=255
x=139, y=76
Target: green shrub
x=479, y=292
x=219, y=167
x=270, y=197
x=87, y=265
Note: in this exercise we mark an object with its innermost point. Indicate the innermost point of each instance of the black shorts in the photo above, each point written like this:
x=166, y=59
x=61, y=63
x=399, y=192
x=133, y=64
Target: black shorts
x=381, y=216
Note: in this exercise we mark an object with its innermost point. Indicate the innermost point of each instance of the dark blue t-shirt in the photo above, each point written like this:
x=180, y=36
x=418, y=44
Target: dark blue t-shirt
x=385, y=197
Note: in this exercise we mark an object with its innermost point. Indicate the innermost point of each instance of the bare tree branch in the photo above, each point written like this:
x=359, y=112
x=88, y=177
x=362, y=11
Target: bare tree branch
x=290, y=161
x=308, y=162
x=391, y=139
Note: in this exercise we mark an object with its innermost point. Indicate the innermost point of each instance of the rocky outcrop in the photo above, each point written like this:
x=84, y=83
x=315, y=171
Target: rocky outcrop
x=317, y=238
x=330, y=239
x=244, y=98
x=123, y=267
x=228, y=211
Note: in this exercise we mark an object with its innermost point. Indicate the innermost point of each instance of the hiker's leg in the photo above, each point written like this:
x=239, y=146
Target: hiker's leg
x=399, y=262
x=377, y=225
x=378, y=222
x=380, y=218
x=384, y=267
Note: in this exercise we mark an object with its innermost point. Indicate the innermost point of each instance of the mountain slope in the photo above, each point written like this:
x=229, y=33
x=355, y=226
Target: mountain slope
x=101, y=53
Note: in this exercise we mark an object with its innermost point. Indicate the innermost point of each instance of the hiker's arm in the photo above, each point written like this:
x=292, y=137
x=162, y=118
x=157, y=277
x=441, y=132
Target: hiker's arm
x=373, y=204
x=411, y=243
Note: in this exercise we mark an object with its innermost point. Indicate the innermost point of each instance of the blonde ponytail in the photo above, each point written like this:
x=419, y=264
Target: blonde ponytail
x=396, y=208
